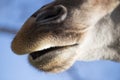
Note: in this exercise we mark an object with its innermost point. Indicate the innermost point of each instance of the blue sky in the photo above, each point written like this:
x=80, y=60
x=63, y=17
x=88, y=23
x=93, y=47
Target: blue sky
x=13, y=13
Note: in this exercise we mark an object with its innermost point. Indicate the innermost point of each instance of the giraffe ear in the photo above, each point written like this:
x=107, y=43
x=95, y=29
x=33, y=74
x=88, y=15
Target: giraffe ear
x=55, y=15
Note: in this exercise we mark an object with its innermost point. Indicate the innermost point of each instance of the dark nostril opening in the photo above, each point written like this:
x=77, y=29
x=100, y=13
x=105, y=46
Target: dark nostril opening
x=48, y=14
x=55, y=14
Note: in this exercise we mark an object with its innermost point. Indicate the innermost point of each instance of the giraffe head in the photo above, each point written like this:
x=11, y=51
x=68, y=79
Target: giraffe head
x=52, y=36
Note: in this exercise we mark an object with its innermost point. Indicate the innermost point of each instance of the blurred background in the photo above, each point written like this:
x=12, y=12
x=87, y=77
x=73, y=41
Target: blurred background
x=13, y=13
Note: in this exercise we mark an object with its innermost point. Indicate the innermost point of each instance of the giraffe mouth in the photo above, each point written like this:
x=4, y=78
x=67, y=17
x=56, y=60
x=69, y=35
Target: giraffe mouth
x=37, y=54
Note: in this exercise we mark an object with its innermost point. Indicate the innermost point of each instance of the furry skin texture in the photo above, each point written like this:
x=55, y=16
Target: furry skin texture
x=64, y=31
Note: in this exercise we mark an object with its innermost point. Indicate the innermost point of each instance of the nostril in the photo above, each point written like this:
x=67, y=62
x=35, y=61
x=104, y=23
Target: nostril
x=53, y=15
x=47, y=14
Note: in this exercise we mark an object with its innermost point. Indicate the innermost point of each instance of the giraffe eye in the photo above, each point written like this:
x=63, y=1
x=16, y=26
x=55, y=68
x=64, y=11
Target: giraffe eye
x=55, y=14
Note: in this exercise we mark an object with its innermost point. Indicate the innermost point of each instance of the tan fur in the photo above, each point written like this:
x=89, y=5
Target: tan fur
x=68, y=33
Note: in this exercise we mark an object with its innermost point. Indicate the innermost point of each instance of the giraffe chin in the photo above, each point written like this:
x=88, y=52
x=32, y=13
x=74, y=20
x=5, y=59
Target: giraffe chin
x=52, y=60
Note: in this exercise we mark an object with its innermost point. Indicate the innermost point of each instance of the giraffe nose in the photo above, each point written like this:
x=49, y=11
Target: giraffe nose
x=56, y=14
